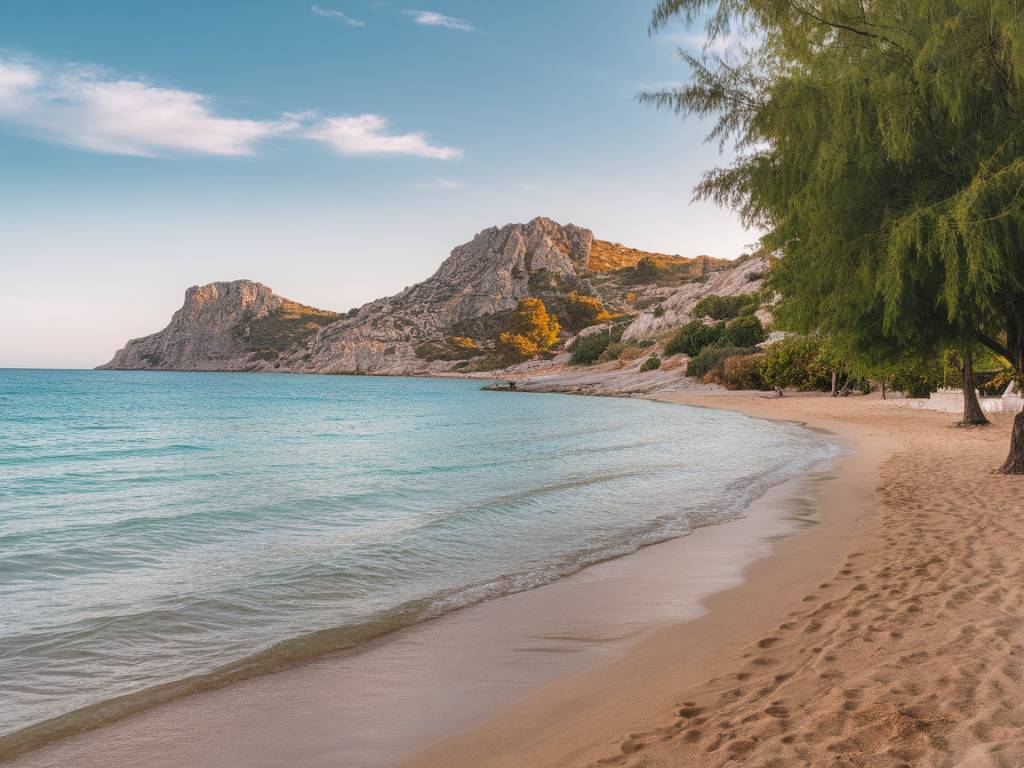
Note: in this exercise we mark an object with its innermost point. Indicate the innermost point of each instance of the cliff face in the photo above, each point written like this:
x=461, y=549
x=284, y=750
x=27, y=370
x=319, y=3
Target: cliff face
x=242, y=325
x=220, y=327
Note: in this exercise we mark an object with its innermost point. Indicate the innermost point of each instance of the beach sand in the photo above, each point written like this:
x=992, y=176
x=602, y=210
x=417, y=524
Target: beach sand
x=892, y=634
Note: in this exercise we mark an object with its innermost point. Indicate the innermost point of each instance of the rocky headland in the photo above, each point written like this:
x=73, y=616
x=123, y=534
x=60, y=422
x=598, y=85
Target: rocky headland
x=450, y=323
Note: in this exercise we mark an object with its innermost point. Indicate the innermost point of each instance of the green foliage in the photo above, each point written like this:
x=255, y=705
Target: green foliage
x=712, y=357
x=659, y=311
x=452, y=348
x=916, y=379
x=647, y=270
x=579, y=311
x=744, y=331
x=285, y=328
x=799, y=362
x=913, y=105
x=652, y=363
x=727, y=307
x=588, y=349
x=693, y=337
x=739, y=372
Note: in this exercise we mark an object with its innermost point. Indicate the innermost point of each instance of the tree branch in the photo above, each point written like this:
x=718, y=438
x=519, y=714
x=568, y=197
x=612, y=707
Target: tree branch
x=994, y=345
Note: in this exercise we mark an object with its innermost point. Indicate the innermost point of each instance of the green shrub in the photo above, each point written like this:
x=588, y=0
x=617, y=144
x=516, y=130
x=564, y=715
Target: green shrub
x=916, y=380
x=799, y=362
x=652, y=363
x=579, y=311
x=710, y=358
x=659, y=311
x=739, y=372
x=727, y=307
x=613, y=351
x=588, y=349
x=744, y=331
x=693, y=337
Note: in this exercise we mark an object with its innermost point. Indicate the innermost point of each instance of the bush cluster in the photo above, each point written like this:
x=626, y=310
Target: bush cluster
x=534, y=331
x=739, y=372
x=714, y=357
x=579, y=311
x=727, y=307
x=652, y=363
x=696, y=336
x=587, y=349
x=799, y=362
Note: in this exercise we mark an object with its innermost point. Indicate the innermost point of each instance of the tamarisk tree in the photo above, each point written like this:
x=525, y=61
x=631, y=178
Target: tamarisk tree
x=880, y=145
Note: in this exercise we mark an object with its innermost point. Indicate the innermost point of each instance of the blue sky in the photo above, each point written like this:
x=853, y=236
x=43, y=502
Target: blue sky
x=335, y=151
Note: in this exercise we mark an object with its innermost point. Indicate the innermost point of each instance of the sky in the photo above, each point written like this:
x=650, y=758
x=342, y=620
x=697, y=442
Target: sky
x=336, y=151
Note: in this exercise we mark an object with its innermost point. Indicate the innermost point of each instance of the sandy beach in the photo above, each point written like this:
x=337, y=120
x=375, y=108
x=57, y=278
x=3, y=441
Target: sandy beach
x=891, y=634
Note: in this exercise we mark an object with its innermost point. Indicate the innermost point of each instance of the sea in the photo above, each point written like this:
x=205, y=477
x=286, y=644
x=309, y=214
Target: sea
x=179, y=531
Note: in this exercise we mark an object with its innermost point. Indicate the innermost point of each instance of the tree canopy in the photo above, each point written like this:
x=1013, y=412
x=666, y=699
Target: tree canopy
x=880, y=144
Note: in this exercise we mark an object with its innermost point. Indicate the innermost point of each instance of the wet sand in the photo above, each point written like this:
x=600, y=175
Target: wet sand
x=381, y=704
x=890, y=635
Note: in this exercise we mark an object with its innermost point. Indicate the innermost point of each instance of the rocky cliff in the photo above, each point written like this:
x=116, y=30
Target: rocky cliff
x=470, y=299
x=236, y=326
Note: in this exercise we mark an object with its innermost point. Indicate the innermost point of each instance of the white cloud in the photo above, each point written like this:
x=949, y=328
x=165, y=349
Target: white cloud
x=88, y=108
x=368, y=135
x=433, y=19
x=440, y=184
x=697, y=42
x=339, y=15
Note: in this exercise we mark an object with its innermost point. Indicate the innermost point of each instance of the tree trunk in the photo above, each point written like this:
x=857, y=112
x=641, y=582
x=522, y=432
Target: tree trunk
x=835, y=380
x=973, y=415
x=883, y=389
x=1015, y=461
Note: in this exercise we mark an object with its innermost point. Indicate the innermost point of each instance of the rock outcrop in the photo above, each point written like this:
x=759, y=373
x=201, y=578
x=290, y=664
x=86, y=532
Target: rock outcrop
x=231, y=326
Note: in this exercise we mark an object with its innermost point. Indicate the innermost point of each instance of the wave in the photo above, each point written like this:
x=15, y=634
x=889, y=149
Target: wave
x=294, y=651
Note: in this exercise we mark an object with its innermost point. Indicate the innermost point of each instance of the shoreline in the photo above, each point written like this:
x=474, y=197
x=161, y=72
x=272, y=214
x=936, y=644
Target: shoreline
x=607, y=646
x=569, y=721
x=890, y=637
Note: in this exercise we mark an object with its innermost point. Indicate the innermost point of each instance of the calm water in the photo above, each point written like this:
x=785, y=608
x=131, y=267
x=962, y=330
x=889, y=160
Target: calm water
x=158, y=526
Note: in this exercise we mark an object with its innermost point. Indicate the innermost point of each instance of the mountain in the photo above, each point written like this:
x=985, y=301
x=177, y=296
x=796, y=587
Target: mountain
x=450, y=321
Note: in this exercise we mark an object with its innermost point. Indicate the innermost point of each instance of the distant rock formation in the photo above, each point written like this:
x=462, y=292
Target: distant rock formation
x=449, y=322
x=223, y=327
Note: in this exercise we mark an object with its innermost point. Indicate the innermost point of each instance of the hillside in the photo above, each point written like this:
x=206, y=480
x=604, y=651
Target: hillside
x=450, y=322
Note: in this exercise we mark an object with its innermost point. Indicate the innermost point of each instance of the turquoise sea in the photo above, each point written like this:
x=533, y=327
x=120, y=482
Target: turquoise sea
x=160, y=527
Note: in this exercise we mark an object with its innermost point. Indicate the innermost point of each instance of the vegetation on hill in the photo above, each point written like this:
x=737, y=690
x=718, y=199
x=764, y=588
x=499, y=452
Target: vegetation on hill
x=727, y=307
x=610, y=257
x=287, y=327
x=880, y=146
x=534, y=331
x=578, y=311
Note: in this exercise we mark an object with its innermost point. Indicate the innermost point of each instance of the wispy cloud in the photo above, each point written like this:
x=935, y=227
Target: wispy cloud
x=446, y=185
x=344, y=18
x=433, y=19
x=369, y=135
x=697, y=42
x=87, y=107
x=92, y=109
